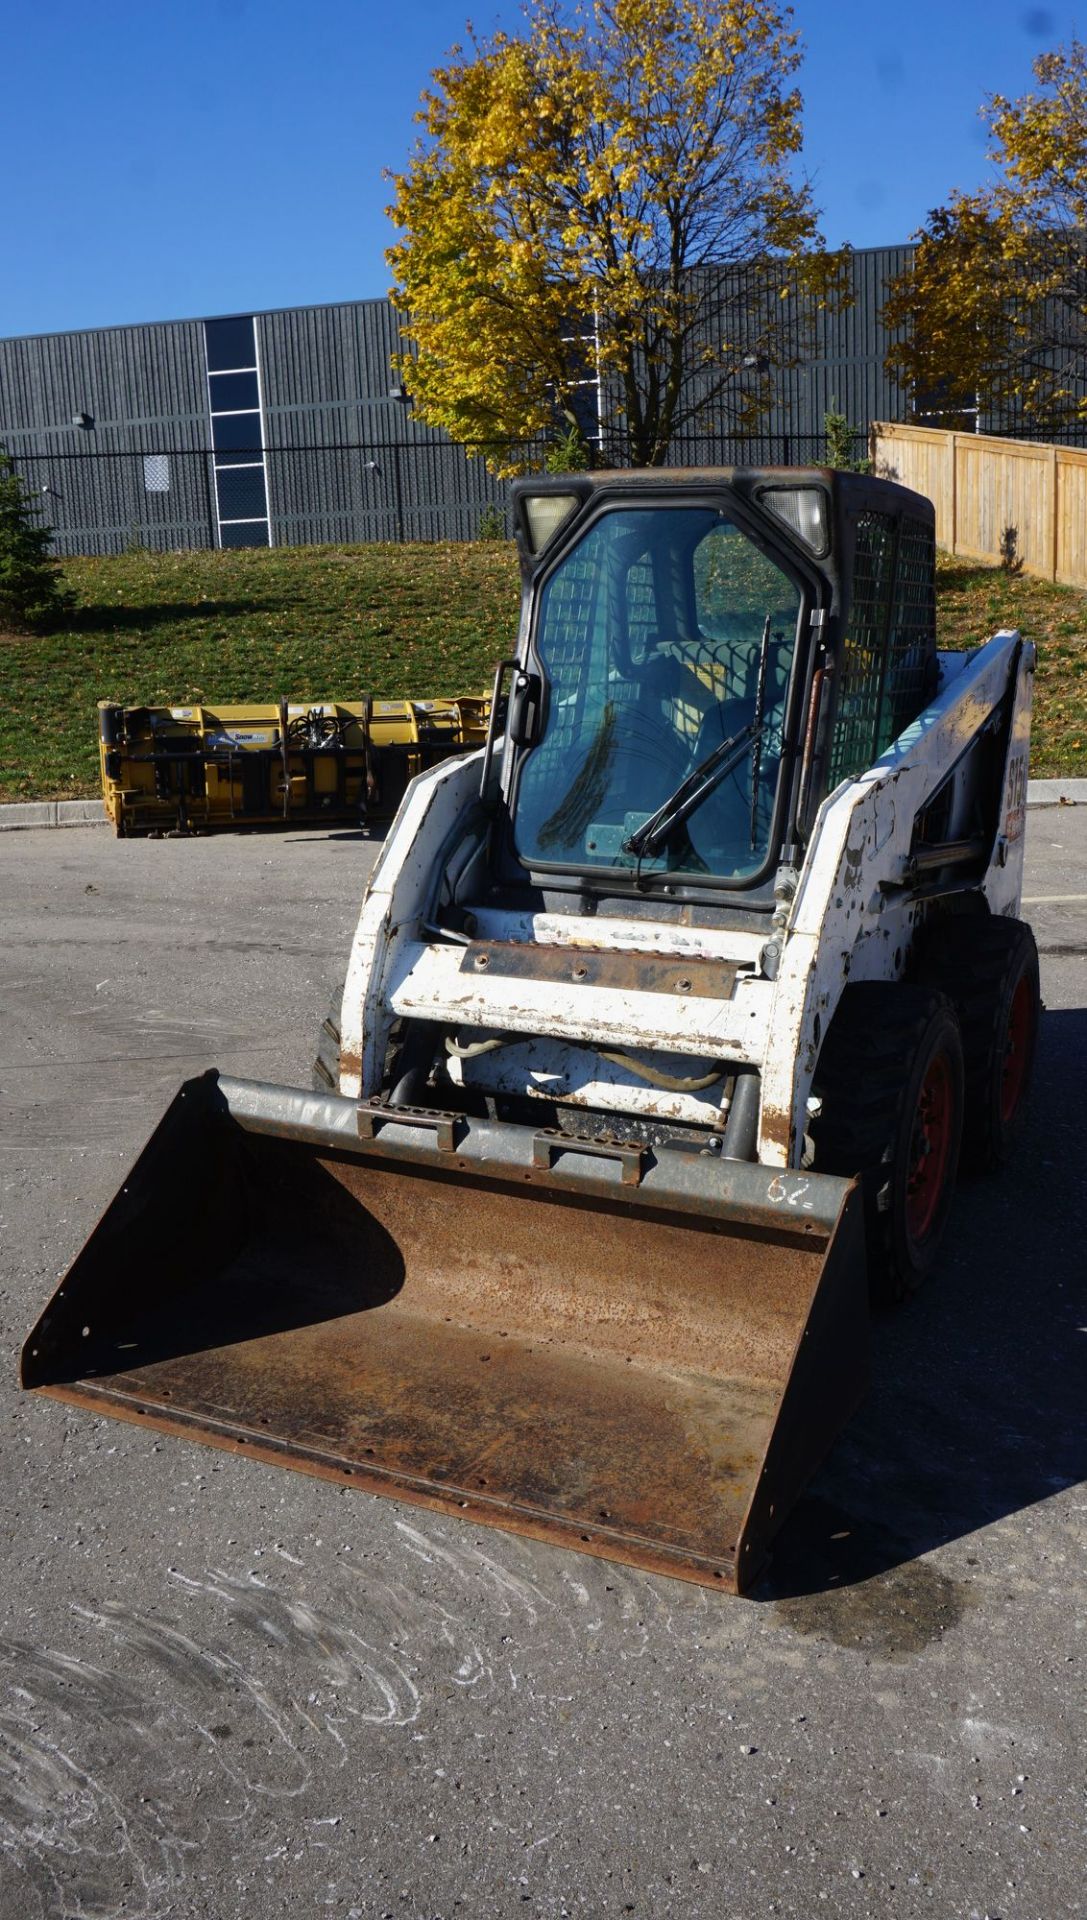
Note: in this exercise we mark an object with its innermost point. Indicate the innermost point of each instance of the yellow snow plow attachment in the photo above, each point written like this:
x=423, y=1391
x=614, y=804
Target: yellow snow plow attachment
x=638, y=1353
x=195, y=769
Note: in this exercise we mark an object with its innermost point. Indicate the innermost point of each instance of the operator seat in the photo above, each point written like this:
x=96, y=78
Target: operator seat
x=650, y=756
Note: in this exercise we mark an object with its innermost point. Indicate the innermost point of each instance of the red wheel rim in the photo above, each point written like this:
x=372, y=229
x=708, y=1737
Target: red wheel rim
x=930, y=1147
x=1017, y=1049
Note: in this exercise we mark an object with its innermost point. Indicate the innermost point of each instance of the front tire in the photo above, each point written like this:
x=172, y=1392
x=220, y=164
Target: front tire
x=890, y=1083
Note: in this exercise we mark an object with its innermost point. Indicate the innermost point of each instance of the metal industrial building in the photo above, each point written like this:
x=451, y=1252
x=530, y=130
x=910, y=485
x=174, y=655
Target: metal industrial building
x=286, y=428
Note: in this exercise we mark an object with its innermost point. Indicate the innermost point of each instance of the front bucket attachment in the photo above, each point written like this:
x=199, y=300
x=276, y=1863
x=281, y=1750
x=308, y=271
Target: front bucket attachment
x=641, y=1355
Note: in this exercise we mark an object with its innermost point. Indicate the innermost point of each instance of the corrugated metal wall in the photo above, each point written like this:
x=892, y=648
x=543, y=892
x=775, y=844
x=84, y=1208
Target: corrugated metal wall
x=144, y=388
x=842, y=365
x=346, y=460
x=844, y=369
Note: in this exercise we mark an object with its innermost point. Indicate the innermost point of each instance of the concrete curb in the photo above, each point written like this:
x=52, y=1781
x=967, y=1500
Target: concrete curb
x=90, y=813
x=1057, y=793
x=52, y=813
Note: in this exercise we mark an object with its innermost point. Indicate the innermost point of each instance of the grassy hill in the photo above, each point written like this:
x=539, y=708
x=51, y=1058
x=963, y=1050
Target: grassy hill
x=387, y=620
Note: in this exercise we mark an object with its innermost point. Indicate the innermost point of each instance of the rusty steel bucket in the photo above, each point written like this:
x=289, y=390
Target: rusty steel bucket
x=639, y=1354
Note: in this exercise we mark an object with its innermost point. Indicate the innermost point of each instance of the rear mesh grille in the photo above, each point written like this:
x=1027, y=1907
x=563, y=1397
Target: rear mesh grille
x=888, y=651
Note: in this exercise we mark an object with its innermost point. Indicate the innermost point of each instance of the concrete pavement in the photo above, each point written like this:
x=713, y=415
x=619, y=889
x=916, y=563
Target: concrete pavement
x=228, y=1690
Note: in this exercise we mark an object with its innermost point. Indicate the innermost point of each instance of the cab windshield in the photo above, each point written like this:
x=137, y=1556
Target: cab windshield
x=666, y=638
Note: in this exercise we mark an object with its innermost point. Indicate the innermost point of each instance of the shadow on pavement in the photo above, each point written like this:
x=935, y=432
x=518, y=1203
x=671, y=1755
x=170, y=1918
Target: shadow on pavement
x=979, y=1386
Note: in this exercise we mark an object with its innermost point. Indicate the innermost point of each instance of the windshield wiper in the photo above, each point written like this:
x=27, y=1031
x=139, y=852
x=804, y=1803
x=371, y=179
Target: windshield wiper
x=691, y=792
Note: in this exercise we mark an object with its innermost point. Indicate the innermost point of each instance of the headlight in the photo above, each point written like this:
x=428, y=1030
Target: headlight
x=544, y=515
x=804, y=510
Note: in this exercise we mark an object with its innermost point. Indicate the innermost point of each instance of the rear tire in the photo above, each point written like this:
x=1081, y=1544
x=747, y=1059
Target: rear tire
x=325, y=1073
x=890, y=1080
x=988, y=968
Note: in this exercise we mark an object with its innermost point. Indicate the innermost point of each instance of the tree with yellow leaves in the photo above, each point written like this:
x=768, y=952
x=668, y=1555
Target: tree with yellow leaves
x=567, y=213
x=994, y=307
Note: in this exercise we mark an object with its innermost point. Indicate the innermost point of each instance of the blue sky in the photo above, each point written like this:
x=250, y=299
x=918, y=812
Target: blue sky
x=192, y=157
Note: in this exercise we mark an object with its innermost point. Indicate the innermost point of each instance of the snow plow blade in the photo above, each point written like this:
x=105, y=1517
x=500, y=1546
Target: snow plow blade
x=637, y=1353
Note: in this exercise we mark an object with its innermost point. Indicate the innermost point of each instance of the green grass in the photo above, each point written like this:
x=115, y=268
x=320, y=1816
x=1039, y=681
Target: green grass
x=342, y=621
x=974, y=601
x=331, y=622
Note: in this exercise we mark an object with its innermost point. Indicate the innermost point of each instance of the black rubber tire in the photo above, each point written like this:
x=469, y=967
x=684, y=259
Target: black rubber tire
x=982, y=964
x=875, y=1063
x=325, y=1073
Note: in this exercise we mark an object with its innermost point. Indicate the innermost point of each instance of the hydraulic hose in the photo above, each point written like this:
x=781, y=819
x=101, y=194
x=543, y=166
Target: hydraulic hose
x=668, y=1082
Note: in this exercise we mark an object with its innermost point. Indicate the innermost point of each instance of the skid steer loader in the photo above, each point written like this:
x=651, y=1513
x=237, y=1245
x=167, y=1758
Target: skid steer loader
x=667, y=1018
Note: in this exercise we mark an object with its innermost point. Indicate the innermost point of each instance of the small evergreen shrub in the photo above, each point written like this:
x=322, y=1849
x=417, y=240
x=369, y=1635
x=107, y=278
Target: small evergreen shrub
x=839, y=436
x=492, y=523
x=1010, y=557
x=32, y=593
x=567, y=453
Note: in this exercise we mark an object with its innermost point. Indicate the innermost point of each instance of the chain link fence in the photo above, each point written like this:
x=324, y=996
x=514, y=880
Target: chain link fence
x=169, y=499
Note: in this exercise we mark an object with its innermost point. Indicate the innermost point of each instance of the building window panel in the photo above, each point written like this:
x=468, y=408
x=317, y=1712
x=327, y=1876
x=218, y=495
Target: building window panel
x=235, y=418
x=236, y=433
x=230, y=344
x=244, y=533
x=233, y=392
x=241, y=493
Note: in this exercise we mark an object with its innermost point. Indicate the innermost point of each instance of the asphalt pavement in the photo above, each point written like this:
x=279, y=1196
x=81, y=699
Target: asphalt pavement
x=230, y=1690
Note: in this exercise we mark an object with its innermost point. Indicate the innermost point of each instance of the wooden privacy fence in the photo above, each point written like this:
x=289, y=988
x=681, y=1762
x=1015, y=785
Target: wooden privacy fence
x=981, y=486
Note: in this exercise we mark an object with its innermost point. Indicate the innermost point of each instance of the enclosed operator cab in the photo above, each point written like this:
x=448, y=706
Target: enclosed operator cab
x=696, y=675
